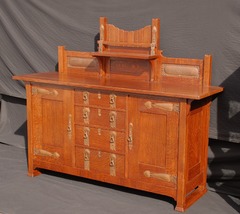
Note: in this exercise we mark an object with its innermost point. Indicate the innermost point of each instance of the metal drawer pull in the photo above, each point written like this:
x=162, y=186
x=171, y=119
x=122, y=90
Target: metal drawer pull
x=112, y=100
x=113, y=141
x=86, y=131
x=112, y=164
x=160, y=176
x=86, y=97
x=112, y=119
x=86, y=159
x=86, y=113
x=46, y=153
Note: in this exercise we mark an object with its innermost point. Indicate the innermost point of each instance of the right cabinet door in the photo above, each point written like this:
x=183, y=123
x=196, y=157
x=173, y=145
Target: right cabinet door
x=153, y=140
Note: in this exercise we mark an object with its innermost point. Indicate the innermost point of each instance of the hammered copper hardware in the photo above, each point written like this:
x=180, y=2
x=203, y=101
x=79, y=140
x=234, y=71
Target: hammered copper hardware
x=99, y=112
x=99, y=96
x=69, y=128
x=160, y=176
x=112, y=164
x=130, y=136
x=112, y=100
x=43, y=91
x=86, y=97
x=153, y=44
x=86, y=131
x=113, y=135
x=163, y=106
x=86, y=159
x=113, y=119
x=86, y=112
x=42, y=152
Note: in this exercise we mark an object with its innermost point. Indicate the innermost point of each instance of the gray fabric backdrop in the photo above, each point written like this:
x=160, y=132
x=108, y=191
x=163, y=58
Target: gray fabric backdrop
x=31, y=30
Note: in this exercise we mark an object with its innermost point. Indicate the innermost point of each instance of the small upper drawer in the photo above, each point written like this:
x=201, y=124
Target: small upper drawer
x=109, y=119
x=100, y=98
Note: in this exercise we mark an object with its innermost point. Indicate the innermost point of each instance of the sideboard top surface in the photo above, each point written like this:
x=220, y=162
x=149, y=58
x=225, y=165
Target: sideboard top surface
x=173, y=90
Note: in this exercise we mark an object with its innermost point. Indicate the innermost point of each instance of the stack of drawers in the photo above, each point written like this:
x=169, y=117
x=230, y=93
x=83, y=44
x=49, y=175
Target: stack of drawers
x=100, y=133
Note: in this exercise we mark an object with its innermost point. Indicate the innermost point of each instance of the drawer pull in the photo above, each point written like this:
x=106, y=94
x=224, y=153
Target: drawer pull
x=160, y=176
x=112, y=165
x=113, y=141
x=86, y=97
x=130, y=136
x=163, y=106
x=42, y=152
x=86, y=159
x=86, y=131
x=112, y=119
x=86, y=113
x=112, y=100
x=43, y=91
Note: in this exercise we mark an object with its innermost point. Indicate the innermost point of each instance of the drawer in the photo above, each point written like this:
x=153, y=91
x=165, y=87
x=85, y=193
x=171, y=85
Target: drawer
x=100, y=117
x=100, y=162
x=101, y=99
x=103, y=139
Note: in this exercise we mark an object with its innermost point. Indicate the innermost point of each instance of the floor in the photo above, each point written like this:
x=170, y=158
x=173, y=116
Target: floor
x=54, y=193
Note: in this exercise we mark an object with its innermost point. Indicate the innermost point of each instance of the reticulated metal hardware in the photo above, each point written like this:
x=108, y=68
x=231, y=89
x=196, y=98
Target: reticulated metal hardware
x=112, y=164
x=99, y=112
x=86, y=159
x=130, y=136
x=86, y=114
x=86, y=132
x=42, y=152
x=112, y=140
x=163, y=106
x=69, y=128
x=160, y=176
x=113, y=119
x=99, y=95
x=86, y=97
x=43, y=91
x=112, y=100
x=153, y=44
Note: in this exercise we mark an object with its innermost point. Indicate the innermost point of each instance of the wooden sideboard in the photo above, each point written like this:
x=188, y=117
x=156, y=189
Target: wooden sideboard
x=125, y=115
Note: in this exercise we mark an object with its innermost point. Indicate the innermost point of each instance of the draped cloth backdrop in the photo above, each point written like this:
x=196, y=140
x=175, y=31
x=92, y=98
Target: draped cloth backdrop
x=31, y=30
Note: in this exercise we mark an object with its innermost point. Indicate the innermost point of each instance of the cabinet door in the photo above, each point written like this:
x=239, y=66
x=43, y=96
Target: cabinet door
x=52, y=119
x=153, y=140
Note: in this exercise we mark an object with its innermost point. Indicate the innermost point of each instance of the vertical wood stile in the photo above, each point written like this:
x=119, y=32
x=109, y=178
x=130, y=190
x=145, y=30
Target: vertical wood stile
x=156, y=23
x=182, y=158
x=61, y=59
x=207, y=69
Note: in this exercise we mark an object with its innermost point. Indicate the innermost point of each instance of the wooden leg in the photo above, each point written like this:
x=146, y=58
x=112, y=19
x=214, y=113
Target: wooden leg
x=190, y=199
x=33, y=172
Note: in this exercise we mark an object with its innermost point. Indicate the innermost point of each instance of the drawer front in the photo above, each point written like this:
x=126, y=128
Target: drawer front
x=100, y=99
x=103, y=139
x=100, y=117
x=100, y=162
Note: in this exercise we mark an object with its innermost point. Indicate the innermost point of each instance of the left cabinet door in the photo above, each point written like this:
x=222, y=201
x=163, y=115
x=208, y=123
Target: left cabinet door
x=51, y=126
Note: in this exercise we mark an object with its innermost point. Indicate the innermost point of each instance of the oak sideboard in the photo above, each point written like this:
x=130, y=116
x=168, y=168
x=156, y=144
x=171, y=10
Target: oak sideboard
x=125, y=115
